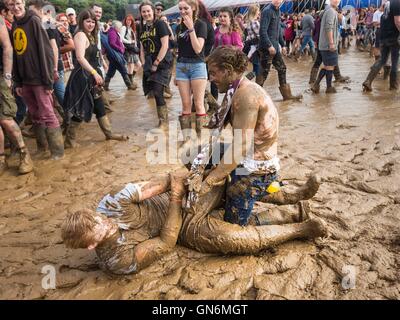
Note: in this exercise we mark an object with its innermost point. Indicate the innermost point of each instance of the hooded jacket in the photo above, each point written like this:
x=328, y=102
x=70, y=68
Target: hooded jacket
x=33, y=55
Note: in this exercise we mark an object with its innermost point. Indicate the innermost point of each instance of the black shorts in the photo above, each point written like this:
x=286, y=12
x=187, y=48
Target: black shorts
x=329, y=58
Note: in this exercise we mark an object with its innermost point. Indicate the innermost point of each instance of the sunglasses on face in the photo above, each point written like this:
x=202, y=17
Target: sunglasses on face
x=159, y=9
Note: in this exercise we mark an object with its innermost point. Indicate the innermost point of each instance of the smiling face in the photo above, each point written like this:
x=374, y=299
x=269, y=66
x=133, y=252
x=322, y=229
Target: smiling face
x=185, y=9
x=98, y=12
x=147, y=13
x=224, y=19
x=88, y=25
x=17, y=8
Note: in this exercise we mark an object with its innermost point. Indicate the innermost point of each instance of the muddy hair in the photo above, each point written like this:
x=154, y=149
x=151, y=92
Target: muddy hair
x=234, y=25
x=229, y=57
x=76, y=227
x=84, y=15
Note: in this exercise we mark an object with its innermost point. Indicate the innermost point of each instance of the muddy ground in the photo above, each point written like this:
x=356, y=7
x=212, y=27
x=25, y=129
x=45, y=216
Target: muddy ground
x=351, y=139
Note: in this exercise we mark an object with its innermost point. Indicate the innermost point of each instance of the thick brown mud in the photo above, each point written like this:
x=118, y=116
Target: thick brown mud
x=351, y=139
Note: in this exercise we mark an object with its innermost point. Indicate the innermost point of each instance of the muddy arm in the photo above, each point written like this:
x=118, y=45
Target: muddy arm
x=151, y=250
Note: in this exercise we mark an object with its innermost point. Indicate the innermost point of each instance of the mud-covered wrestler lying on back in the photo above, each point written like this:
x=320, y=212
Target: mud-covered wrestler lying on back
x=144, y=221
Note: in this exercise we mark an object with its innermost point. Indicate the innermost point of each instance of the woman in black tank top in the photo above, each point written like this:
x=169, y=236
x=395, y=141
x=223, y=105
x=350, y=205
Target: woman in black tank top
x=83, y=95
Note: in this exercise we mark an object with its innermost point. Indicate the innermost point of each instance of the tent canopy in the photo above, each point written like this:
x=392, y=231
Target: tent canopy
x=213, y=5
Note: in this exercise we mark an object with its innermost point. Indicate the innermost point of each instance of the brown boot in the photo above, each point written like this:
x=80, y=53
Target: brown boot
x=287, y=93
x=70, y=135
x=162, y=112
x=201, y=122
x=41, y=139
x=313, y=75
x=367, y=84
x=186, y=125
x=167, y=92
x=3, y=163
x=25, y=162
x=105, y=126
x=129, y=84
x=338, y=76
x=330, y=90
x=56, y=142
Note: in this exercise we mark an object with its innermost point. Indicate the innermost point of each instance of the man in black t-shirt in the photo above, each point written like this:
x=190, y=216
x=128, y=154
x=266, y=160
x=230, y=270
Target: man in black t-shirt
x=390, y=44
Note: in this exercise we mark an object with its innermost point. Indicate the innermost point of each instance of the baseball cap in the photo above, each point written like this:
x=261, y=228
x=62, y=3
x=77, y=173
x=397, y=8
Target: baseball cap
x=70, y=11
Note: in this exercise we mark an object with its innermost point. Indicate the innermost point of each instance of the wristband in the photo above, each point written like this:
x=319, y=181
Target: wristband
x=93, y=72
x=190, y=30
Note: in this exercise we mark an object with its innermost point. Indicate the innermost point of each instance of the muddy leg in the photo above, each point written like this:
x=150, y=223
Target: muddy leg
x=305, y=192
x=282, y=214
x=216, y=236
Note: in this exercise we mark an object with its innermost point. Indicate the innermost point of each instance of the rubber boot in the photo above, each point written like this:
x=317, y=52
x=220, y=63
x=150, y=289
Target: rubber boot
x=313, y=75
x=41, y=139
x=386, y=72
x=25, y=161
x=338, y=76
x=70, y=135
x=129, y=84
x=3, y=164
x=287, y=93
x=260, y=79
x=367, y=84
x=394, y=85
x=105, y=126
x=107, y=103
x=167, y=92
x=186, y=123
x=162, y=113
x=201, y=122
x=56, y=142
x=330, y=90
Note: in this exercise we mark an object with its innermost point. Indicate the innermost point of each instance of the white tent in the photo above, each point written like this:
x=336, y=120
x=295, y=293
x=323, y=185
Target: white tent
x=213, y=5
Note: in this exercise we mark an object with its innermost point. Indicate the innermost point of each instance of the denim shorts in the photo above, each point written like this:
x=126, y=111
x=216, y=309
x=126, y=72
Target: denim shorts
x=242, y=192
x=191, y=71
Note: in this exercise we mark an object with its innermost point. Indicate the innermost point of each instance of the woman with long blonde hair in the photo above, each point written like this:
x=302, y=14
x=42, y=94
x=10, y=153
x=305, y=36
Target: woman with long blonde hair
x=191, y=70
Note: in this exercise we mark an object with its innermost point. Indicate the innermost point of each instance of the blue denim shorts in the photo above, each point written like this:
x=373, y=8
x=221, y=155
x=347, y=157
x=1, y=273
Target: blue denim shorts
x=191, y=71
x=242, y=192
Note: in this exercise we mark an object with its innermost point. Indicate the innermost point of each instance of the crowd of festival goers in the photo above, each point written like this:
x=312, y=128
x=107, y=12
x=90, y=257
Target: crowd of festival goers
x=57, y=67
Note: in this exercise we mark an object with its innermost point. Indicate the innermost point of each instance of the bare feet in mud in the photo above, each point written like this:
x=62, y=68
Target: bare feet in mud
x=305, y=192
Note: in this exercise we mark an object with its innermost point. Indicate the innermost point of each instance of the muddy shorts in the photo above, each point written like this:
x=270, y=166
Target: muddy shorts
x=243, y=191
x=8, y=107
